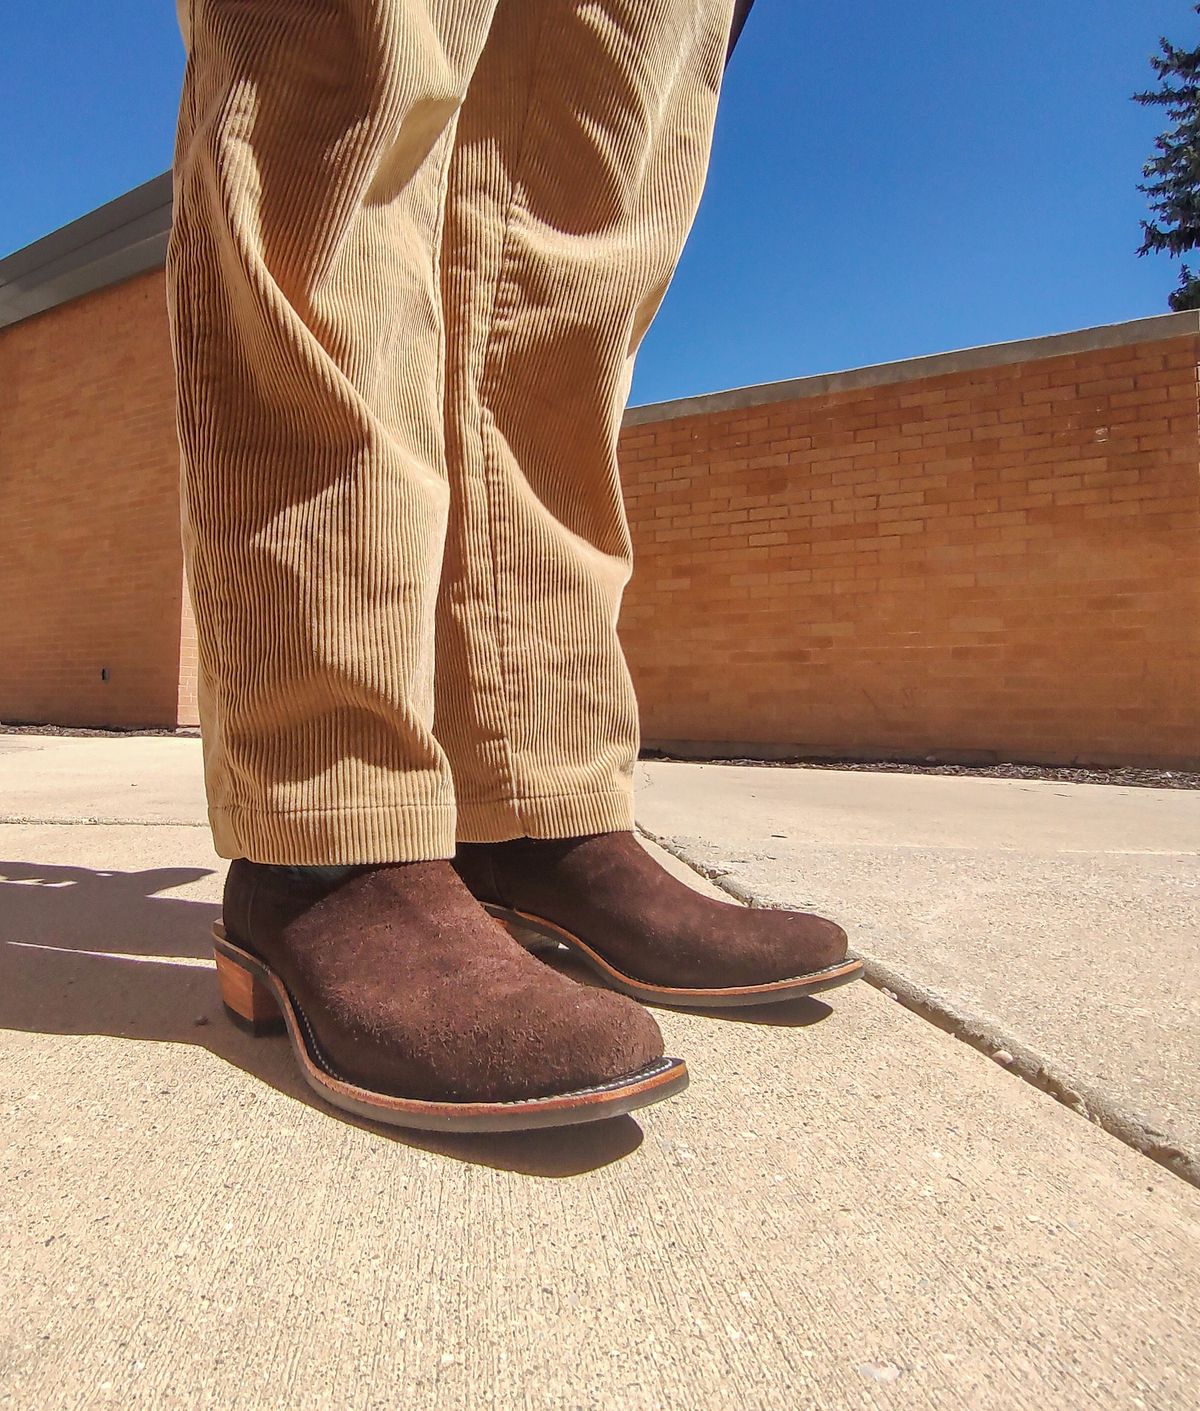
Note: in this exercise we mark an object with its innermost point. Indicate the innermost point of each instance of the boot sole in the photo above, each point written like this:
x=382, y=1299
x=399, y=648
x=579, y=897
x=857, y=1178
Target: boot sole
x=675, y=997
x=258, y=1001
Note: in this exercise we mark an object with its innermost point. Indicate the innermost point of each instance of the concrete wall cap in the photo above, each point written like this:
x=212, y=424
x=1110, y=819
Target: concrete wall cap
x=1156, y=328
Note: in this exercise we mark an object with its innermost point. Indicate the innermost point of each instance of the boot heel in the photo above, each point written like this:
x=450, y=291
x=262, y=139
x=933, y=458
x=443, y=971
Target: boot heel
x=248, y=1002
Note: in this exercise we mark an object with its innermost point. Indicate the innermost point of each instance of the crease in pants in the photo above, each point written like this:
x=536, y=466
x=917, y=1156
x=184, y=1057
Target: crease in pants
x=415, y=246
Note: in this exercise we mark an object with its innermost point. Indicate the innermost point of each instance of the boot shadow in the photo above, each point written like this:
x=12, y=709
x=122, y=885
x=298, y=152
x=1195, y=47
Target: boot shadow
x=97, y=952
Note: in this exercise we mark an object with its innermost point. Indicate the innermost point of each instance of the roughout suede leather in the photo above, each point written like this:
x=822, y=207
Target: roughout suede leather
x=609, y=892
x=413, y=990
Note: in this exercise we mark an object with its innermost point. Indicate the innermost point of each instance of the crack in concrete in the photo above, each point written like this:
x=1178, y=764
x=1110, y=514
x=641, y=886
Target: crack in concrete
x=1036, y=1069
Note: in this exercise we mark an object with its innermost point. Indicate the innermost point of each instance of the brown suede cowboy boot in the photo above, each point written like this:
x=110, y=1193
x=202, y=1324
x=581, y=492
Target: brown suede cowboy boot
x=647, y=934
x=407, y=1004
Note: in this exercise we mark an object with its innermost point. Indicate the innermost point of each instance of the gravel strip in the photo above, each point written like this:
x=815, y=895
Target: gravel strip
x=184, y=732
x=1124, y=776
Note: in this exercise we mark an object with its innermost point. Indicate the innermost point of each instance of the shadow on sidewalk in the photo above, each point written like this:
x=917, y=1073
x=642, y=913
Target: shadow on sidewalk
x=88, y=952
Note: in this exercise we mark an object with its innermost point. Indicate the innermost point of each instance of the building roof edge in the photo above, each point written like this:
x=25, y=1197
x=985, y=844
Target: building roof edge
x=128, y=235
x=117, y=240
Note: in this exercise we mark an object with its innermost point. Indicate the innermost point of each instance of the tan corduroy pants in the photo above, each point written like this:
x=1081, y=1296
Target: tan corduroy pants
x=416, y=245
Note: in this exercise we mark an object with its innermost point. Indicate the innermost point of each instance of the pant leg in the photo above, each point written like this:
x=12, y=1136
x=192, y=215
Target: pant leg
x=310, y=174
x=579, y=160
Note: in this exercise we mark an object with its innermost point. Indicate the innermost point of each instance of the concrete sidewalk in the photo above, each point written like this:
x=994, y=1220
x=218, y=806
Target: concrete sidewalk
x=1059, y=922
x=848, y=1209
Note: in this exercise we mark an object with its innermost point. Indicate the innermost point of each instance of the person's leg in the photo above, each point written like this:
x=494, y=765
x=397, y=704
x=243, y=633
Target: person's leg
x=306, y=313
x=578, y=165
x=303, y=278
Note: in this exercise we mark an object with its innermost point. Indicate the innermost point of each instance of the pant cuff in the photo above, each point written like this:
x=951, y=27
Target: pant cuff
x=545, y=816
x=335, y=836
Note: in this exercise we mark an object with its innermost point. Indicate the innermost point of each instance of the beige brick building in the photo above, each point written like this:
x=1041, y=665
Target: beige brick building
x=991, y=554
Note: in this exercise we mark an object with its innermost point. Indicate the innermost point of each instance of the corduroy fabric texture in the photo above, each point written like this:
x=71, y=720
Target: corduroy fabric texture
x=416, y=245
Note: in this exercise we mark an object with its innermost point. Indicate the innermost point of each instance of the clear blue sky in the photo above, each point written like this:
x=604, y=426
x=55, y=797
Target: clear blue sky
x=889, y=179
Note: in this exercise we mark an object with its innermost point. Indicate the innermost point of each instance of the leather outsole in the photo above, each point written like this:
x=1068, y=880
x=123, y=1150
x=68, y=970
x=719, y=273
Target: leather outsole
x=538, y=928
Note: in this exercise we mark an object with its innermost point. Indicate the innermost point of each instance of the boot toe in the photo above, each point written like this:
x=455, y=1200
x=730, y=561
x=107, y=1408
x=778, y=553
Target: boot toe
x=825, y=943
x=783, y=945
x=616, y=1036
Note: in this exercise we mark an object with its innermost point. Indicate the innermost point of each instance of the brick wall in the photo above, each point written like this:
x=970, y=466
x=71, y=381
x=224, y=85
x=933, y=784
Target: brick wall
x=90, y=564
x=978, y=561
x=188, y=708
x=987, y=555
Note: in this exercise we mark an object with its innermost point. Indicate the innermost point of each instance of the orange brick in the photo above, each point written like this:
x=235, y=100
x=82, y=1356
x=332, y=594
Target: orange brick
x=1001, y=557
x=93, y=555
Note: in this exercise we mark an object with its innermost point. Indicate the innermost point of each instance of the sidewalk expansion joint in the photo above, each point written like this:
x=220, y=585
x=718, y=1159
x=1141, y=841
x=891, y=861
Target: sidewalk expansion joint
x=989, y=1038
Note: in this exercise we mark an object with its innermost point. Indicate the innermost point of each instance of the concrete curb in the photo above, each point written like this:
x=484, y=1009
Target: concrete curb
x=990, y=1039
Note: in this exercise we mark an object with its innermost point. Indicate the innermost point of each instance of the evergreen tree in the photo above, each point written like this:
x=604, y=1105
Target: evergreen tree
x=1173, y=176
